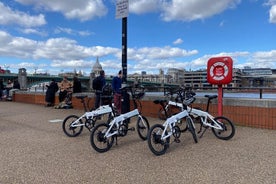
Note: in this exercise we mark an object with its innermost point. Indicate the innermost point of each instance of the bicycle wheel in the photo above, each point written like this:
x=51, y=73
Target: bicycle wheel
x=97, y=139
x=156, y=145
x=70, y=129
x=191, y=127
x=142, y=127
x=228, y=128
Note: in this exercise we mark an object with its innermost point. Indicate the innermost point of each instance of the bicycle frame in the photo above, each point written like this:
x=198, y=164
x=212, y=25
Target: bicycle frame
x=105, y=109
x=177, y=104
x=170, y=123
x=117, y=121
x=205, y=116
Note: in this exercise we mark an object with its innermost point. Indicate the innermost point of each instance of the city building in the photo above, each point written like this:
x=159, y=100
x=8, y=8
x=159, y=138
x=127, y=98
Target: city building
x=258, y=77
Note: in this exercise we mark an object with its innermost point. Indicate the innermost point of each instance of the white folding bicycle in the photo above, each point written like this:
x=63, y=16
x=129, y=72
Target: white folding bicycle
x=73, y=125
x=159, y=134
x=103, y=135
x=221, y=126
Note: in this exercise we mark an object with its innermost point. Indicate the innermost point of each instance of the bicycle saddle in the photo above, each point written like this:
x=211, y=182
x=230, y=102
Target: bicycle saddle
x=81, y=97
x=159, y=101
x=211, y=96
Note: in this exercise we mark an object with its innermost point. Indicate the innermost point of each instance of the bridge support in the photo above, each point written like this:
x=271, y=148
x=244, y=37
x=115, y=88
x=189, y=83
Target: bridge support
x=22, y=78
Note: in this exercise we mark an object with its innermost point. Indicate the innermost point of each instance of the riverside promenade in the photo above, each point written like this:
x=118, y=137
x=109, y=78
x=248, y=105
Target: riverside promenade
x=34, y=150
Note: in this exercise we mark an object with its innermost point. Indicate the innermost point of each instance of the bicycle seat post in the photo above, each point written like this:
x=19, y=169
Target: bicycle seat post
x=208, y=103
x=210, y=98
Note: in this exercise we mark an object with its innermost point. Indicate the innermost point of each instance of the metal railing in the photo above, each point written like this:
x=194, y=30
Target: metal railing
x=257, y=90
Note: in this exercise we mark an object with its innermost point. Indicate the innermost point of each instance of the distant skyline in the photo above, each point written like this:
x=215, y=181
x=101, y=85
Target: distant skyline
x=66, y=35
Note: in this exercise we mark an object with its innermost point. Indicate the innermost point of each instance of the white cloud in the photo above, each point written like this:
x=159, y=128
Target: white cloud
x=190, y=10
x=178, y=41
x=72, y=9
x=159, y=53
x=143, y=6
x=33, y=31
x=11, y=17
x=272, y=14
x=16, y=46
x=71, y=64
x=70, y=31
x=52, y=49
x=201, y=63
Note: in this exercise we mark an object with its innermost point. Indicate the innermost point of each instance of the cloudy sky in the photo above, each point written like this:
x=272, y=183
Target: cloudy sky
x=66, y=35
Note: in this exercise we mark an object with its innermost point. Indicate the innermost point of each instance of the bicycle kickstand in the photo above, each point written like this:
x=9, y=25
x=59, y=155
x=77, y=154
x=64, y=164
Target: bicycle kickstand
x=116, y=140
x=201, y=135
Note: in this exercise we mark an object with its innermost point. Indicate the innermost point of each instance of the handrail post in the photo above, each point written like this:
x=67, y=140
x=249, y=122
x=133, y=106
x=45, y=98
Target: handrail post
x=261, y=93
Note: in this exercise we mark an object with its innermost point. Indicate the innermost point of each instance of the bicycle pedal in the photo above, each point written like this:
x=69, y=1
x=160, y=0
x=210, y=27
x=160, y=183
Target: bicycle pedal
x=177, y=140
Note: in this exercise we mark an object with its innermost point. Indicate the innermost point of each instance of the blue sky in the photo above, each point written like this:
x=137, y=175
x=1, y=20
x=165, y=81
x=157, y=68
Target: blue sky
x=66, y=35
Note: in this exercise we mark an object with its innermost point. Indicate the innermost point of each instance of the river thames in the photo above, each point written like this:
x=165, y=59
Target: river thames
x=226, y=95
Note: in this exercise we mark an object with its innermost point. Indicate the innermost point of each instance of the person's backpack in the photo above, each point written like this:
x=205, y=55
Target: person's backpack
x=97, y=83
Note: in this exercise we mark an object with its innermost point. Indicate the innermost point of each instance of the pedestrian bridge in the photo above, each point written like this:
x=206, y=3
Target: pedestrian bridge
x=38, y=80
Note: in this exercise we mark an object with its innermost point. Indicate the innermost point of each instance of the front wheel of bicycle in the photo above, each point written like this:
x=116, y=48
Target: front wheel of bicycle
x=72, y=128
x=142, y=127
x=155, y=143
x=98, y=140
x=228, y=128
x=191, y=127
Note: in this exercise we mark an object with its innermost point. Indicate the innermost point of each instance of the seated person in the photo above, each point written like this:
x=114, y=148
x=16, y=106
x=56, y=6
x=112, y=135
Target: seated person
x=52, y=88
x=2, y=88
x=65, y=88
x=16, y=87
x=9, y=86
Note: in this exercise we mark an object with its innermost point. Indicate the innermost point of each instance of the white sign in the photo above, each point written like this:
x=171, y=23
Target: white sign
x=121, y=9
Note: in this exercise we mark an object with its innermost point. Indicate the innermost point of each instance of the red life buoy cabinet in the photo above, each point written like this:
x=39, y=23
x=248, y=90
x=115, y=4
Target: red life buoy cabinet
x=219, y=70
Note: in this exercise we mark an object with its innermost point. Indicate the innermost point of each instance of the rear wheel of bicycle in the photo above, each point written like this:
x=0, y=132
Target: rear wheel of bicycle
x=70, y=128
x=98, y=140
x=156, y=145
x=191, y=128
x=142, y=127
x=228, y=128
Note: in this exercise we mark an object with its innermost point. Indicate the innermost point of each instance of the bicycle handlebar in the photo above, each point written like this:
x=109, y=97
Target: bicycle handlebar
x=183, y=94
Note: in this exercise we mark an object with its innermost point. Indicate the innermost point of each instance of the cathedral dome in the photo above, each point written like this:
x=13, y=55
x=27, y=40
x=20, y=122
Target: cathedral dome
x=97, y=67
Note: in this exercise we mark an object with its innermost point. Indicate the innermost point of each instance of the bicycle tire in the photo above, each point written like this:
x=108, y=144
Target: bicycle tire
x=228, y=127
x=142, y=127
x=156, y=145
x=97, y=140
x=191, y=128
x=68, y=129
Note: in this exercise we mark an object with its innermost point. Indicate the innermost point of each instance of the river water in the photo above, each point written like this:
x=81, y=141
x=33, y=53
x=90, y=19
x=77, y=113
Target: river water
x=226, y=95
x=201, y=94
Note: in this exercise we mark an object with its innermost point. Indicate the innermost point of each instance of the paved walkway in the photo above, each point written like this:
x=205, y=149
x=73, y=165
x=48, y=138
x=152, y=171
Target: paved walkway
x=36, y=151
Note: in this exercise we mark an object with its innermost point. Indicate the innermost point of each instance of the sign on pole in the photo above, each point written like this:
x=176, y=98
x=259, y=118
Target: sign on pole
x=121, y=9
